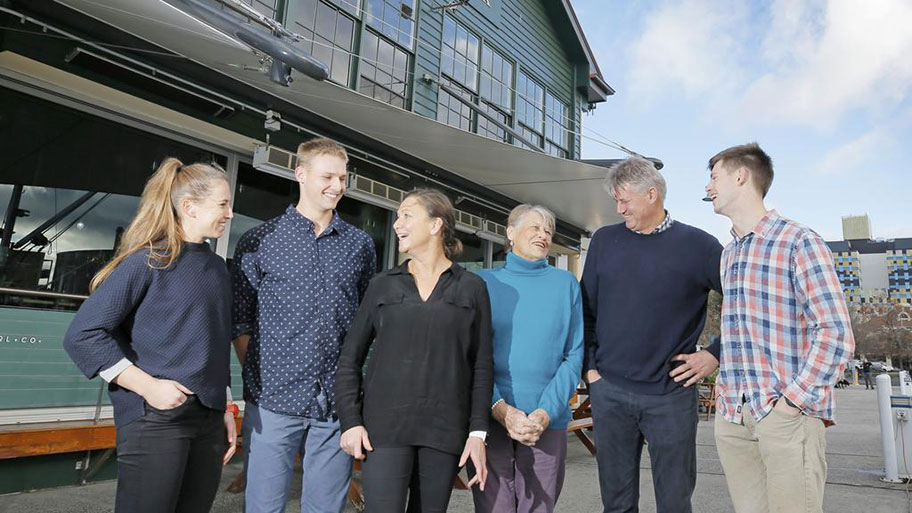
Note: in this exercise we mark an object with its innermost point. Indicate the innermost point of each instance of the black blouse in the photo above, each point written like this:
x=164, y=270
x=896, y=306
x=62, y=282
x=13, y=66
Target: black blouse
x=430, y=376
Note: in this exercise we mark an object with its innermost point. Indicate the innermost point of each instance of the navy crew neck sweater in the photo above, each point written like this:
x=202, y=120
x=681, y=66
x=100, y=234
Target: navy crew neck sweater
x=172, y=323
x=644, y=301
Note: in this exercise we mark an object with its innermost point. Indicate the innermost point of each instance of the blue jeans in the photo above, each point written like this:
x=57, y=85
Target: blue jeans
x=622, y=421
x=274, y=441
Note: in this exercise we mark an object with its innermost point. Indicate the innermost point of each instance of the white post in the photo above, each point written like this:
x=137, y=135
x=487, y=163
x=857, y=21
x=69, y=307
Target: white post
x=884, y=390
x=905, y=384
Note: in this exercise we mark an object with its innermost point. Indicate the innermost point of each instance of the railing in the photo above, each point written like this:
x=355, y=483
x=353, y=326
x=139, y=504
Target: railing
x=42, y=293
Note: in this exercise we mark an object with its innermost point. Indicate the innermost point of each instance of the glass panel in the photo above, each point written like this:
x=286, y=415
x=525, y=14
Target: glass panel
x=451, y=111
x=530, y=103
x=459, y=54
x=497, y=72
x=71, y=184
x=260, y=197
x=391, y=75
x=372, y=219
x=489, y=129
x=329, y=29
x=499, y=255
x=473, y=250
x=326, y=21
x=307, y=13
x=387, y=16
x=344, y=31
x=556, y=113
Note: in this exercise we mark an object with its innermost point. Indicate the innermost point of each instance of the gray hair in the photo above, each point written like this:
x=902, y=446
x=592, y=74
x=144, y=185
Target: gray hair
x=637, y=172
x=518, y=216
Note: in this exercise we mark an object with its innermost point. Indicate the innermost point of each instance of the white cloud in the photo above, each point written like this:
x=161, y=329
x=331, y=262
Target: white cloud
x=850, y=157
x=683, y=46
x=800, y=62
x=859, y=60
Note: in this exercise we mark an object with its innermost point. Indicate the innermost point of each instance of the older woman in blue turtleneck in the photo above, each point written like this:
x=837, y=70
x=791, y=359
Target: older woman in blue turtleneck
x=537, y=319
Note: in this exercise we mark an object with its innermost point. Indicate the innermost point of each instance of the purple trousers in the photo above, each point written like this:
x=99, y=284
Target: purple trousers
x=522, y=479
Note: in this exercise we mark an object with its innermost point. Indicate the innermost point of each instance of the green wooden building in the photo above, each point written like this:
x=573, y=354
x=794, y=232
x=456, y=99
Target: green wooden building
x=483, y=99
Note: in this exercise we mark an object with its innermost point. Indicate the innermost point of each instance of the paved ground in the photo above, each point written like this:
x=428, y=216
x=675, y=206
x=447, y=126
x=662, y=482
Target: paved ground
x=853, y=482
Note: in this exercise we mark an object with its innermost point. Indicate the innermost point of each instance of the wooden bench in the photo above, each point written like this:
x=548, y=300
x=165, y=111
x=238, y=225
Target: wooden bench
x=706, y=398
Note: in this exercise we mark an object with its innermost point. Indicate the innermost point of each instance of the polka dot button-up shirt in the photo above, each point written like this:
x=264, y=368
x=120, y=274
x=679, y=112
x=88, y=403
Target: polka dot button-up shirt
x=296, y=294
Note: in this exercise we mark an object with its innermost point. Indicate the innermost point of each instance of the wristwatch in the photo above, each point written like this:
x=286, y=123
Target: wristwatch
x=233, y=408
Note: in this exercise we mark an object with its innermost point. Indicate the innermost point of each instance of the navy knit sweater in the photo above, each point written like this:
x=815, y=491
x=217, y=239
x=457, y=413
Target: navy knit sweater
x=172, y=323
x=644, y=301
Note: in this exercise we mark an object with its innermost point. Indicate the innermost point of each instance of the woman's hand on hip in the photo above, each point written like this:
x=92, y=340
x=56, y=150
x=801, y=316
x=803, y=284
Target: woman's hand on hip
x=355, y=442
x=165, y=394
x=475, y=450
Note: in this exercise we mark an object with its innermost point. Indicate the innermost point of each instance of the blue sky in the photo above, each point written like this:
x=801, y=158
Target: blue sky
x=825, y=87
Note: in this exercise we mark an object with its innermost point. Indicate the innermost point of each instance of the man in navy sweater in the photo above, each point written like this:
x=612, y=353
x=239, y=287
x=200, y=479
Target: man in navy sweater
x=645, y=286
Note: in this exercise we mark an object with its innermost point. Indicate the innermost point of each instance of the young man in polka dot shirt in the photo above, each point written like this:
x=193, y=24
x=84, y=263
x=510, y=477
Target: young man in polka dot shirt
x=297, y=282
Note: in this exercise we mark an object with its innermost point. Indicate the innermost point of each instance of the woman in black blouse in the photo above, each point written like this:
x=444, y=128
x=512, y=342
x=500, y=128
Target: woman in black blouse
x=427, y=393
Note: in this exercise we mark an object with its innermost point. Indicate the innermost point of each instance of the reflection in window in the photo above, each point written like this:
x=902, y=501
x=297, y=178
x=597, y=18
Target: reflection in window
x=496, y=82
x=258, y=197
x=459, y=56
x=452, y=111
x=384, y=70
x=372, y=219
x=489, y=129
x=556, y=130
x=498, y=255
x=265, y=7
x=496, y=79
x=329, y=36
x=69, y=186
x=394, y=19
x=530, y=99
x=473, y=252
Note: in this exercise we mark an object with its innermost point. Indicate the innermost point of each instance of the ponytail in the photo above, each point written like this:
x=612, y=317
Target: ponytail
x=436, y=204
x=156, y=226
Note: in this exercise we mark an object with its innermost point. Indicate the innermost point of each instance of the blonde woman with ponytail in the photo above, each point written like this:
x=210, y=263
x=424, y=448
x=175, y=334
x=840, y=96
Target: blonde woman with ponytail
x=157, y=328
x=422, y=411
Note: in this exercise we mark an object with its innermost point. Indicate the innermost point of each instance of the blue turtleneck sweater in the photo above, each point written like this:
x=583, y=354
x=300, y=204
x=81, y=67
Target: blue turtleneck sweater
x=537, y=319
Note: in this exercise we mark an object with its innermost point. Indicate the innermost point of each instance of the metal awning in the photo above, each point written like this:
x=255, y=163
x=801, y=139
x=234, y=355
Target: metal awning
x=571, y=188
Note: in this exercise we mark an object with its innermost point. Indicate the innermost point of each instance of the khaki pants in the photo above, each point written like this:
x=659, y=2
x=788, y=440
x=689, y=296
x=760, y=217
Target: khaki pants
x=777, y=465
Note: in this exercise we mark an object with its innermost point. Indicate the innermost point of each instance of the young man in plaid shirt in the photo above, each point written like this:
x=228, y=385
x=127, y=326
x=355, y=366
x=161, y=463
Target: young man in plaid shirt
x=786, y=339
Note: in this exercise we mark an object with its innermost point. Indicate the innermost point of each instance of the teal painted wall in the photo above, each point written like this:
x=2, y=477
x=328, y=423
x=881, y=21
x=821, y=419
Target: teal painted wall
x=36, y=372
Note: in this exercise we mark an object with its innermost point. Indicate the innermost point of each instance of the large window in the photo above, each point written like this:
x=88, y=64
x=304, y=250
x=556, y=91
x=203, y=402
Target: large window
x=384, y=70
x=69, y=187
x=329, y=35
x=480, y=75
x=395, y=19
x=459, y=58
x=557, y=136
x=495, y=84
x=530, y=100
x=472, y=257
x=452, y=111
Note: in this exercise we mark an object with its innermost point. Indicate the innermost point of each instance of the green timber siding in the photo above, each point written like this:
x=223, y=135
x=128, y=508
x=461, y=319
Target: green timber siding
x=520, y=29
x=36, y=372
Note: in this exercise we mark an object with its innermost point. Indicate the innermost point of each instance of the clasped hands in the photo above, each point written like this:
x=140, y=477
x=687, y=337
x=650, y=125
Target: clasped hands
x=525, y=429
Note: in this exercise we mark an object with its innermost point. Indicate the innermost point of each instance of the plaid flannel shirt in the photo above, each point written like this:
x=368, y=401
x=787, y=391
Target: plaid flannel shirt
x=785, y=326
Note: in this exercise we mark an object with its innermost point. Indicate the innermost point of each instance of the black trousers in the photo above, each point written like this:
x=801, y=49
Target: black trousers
x=388, y=473
x=170, y=460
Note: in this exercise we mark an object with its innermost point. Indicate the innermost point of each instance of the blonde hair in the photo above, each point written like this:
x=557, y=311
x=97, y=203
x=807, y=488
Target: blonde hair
x=518, y=214
x=319, y=146
x=436, y=204
x=156, y=226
